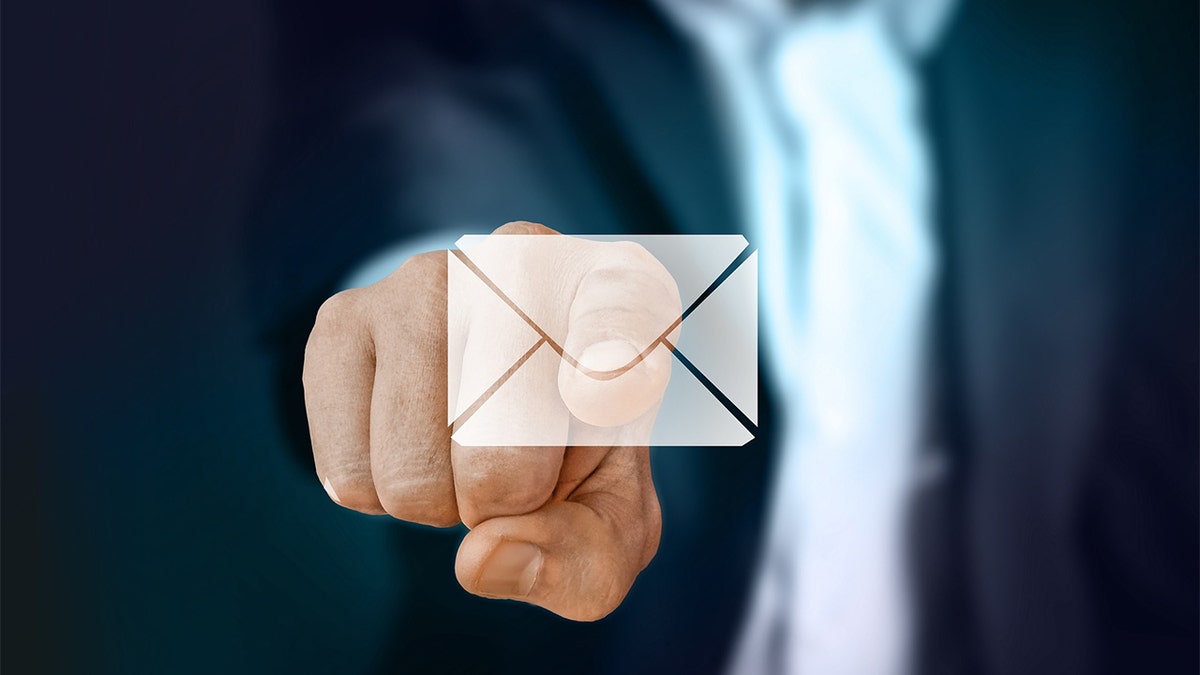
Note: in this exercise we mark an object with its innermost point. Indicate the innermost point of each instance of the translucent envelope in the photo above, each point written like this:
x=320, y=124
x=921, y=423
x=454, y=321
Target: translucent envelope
x=506, y=394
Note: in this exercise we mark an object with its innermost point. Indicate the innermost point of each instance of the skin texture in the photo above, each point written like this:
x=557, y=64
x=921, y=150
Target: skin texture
x=568, y=527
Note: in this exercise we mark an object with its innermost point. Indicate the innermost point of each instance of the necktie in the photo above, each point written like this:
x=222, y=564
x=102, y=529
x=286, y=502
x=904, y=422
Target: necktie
x=837, y=189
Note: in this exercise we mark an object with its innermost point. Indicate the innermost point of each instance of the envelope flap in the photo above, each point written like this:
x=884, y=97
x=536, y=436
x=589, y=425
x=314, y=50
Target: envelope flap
x=694, y=261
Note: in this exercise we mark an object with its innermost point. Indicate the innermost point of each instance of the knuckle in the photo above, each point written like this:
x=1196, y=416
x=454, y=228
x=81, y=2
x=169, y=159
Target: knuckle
x=633, y=256
x=340, y=310
x=490, y=496
x=342, y=314
x=417, y=509
x=414, y=296
x=423, y=265
x=523, y=227
x=423, y=501
x=634, y=253
x=629, y=265
x=340, y=325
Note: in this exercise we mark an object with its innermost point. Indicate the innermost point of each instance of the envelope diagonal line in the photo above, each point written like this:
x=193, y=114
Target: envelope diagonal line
x=558, y=349
x=507, y=300
x=483, y=398
x=717, y=393
x=562, y=353
x=728, y=272
x=662, y=338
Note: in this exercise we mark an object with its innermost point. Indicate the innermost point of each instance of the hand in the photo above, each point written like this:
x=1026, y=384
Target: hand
x=565, y=526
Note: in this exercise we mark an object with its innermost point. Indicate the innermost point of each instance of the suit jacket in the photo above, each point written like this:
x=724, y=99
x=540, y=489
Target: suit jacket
x=1061, y=536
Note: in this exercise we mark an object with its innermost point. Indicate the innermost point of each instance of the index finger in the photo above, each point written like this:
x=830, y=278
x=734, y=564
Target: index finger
x=623, y=323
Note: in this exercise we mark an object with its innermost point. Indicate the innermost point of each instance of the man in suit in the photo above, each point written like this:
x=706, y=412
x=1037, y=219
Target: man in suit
x=1058, y=533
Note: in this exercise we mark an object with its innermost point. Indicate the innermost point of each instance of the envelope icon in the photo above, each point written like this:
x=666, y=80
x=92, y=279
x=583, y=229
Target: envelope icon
x=504, y=394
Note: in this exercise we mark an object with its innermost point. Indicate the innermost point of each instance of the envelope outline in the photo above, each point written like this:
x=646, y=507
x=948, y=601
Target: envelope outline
x=747, y=421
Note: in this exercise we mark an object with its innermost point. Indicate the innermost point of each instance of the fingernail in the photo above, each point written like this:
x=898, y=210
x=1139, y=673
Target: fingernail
x=511, y=570
x=332, y=493
x=607, y=356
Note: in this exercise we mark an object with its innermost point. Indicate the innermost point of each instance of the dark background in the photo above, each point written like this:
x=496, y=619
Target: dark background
x=153, y=519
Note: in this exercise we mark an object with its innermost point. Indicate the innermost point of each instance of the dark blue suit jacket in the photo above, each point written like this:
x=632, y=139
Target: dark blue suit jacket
x=1062, y=536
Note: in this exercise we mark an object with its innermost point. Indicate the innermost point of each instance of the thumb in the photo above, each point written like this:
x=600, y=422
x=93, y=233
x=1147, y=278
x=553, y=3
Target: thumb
x=576, y=557
x=615, y=367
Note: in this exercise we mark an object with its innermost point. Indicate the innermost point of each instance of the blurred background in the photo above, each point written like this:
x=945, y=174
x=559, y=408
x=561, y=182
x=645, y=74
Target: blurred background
x=158, y=513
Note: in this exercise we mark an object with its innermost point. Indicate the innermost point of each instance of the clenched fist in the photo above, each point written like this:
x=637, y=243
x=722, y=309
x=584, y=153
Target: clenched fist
x=566, y=521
